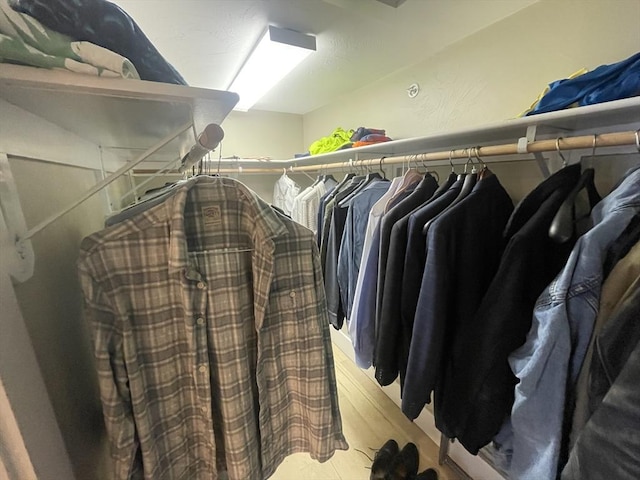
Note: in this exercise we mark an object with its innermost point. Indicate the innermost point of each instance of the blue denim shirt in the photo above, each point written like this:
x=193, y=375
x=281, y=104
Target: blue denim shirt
x=353, y=239
x=362, y=328
x=562, y=324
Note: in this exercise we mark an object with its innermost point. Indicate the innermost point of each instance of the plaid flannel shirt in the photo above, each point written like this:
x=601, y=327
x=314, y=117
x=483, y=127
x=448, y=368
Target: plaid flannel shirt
x=210, y=333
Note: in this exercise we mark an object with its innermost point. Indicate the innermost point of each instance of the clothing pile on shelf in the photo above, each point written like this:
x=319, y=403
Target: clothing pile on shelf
x=604, y=84
x=93, y=37
x=211, y=336
x=496, y=311
x=341, y=139
x=363, y=136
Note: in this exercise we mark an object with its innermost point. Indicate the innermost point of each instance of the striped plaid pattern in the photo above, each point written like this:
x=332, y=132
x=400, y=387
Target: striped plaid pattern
x=211, y=337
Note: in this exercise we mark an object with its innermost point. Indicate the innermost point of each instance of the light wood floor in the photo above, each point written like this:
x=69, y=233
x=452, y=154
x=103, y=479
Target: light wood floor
x=369, y=418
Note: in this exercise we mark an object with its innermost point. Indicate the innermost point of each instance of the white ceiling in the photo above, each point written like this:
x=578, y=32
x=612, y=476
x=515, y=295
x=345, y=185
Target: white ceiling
x=358, y=41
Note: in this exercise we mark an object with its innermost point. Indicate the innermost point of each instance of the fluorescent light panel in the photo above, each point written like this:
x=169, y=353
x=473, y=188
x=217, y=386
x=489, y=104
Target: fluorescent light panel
x=278, y=52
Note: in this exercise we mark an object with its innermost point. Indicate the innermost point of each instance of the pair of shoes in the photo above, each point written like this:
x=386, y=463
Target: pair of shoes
x=405, y=465
x=428, y=474
x=391, y=463
x=382, y=460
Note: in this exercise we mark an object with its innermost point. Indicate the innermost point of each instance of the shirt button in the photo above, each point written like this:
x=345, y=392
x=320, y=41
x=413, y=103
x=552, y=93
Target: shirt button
x=201, y=285
x=200, y=320
x=202, y=368
x=292, y=294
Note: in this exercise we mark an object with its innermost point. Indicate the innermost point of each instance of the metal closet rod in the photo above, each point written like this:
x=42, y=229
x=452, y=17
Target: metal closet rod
x=615, y=139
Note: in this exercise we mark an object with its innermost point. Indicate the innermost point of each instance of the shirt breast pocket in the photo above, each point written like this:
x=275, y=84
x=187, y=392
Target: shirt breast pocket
x=292, y=314
x=283, y=317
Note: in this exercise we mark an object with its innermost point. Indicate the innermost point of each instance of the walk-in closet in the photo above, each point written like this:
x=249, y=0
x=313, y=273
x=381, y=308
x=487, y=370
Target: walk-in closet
x=413, y=255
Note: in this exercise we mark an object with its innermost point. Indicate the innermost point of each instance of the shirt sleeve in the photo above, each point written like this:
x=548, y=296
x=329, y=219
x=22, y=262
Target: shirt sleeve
x=362, y=325
x=339, y=442
x=113, y=380
x=292, y=191
x=426, y=349
x=279, y=192
x=344, y=258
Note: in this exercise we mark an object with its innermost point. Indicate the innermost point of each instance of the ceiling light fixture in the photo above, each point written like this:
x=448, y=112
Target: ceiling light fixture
x=278, y=52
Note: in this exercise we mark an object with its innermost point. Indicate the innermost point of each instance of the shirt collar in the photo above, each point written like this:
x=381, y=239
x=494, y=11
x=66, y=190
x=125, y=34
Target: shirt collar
x=489, y=183
x=626, y=194
x=428, y=181
x=266, y=223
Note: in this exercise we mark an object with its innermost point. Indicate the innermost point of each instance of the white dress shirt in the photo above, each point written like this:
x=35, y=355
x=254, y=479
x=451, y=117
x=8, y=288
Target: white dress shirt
x=375, y=215
x=284, y=193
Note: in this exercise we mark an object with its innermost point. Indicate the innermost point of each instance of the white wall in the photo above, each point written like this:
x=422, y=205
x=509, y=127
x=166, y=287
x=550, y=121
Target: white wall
x=491, y=75
x=262, y=134
x=51, y=304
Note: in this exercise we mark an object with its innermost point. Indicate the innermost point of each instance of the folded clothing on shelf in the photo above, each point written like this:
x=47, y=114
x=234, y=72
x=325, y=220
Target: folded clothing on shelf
x=341, y=139
x=604, y=84
x=26, y=41
x=371, y=139
x=338, y=139
x=362, y=132
x=105, y=24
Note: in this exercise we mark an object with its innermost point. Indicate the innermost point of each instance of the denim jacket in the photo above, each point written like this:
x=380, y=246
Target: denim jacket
x=550, y=360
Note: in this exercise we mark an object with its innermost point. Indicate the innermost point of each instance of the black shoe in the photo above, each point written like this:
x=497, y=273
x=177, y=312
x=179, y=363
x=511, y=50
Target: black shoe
x=383, y=459
x=405, y=464
x=428, y=474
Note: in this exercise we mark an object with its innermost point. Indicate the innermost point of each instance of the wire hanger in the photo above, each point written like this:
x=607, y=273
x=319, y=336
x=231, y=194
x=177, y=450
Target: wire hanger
x=427, y=171
x=469, y=161
x=484, y=170
x=564, y=160
x=219, y=159
x=384, y=175
x=469, y=182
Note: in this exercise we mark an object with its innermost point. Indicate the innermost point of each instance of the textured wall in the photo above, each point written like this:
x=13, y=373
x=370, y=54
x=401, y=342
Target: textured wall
x=492, y=75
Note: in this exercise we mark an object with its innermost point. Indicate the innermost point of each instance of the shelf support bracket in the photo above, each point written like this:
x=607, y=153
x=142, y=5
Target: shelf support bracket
x=20, y=259
x=133, y=191
x=107, y=181
x=523, y=143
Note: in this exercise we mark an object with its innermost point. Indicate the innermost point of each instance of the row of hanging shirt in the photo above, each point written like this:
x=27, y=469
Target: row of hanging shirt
x=452, y=289
x=302, y=206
